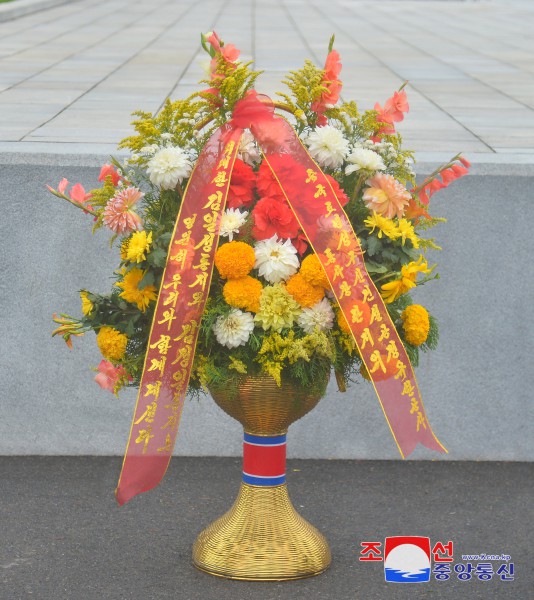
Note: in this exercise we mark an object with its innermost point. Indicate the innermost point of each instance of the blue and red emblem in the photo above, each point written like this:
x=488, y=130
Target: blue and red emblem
x=264, y=459
x=407, y=559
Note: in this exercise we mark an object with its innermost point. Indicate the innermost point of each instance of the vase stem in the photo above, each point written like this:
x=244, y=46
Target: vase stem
x=264, y=459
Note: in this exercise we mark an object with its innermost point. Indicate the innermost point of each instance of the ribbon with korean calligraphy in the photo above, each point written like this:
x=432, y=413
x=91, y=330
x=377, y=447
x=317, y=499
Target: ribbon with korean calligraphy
x=182, y=296
x=186, y=281
x=331, y=236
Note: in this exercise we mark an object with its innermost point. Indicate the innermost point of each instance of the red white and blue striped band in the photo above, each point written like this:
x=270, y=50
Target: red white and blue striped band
x=264, y=459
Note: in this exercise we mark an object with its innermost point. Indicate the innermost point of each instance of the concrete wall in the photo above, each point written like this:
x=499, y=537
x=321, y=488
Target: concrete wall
x=476, y=387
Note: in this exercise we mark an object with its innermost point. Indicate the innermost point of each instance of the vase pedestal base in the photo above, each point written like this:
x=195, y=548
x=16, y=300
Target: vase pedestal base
x=261, y=538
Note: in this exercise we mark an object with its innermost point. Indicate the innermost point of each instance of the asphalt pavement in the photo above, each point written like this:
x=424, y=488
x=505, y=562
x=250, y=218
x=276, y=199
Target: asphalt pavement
x=65, y=538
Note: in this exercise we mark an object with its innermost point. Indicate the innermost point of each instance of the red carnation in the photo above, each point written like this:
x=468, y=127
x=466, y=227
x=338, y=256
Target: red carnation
x=266, y=182
x=273, y=216
x=340, y=194
x=242, y=183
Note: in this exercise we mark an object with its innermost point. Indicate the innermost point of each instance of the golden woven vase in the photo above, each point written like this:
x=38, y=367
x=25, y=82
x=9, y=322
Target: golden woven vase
x=262, y=537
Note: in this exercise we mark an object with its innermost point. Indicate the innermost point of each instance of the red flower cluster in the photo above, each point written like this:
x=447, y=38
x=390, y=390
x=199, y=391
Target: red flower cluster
x=333, y=85
x=338, y=191
x=242, y=184
x=266, y=182
x=274, y=216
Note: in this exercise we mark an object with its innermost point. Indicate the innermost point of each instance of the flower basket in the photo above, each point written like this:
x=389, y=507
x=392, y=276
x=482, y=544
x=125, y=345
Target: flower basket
x=262, y=244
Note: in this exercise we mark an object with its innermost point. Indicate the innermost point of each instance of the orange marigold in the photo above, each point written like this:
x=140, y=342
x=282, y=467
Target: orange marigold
x=243, y=293
x=303, y=292
x=234, y=260
x=416, y=324
x=312, y=271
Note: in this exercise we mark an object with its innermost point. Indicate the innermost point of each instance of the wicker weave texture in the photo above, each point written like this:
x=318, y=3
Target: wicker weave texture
x=262, y=407
x=262, y=537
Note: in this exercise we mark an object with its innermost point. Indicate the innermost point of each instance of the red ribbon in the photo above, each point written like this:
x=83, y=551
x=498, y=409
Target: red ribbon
x=186, y=281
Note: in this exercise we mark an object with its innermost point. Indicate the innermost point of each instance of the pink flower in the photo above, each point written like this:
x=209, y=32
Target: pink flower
x=393, y=111
x=328, y=98
x=465, y=162
x=386, y=196
x=78, y=194
x=118, y=214
x=109, y=375
x=111, y=171
x=62, y=185
x=448, y=174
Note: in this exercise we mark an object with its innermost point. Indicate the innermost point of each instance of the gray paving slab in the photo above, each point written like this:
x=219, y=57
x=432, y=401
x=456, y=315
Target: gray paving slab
x=469, y=64
x=64, y=537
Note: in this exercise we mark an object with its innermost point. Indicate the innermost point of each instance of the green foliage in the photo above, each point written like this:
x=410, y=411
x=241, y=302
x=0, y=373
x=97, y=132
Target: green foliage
x=177, y=118
x=305, y=87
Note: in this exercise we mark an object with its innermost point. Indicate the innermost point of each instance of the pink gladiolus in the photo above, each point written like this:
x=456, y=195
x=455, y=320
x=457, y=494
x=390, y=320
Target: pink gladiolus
x=397, y=105
x=423, y=197
x=78, y=194
x=393, y=112
x=111, y=171
x=435, y=185
x=447, y=176
x=464, y=162
x=333, y=85
x=215, y=41
x=62, y=185
x=230, y=53
x=109, y=375
x=459, y=171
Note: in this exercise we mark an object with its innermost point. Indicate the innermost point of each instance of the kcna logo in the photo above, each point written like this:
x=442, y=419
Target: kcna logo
x=407, y=558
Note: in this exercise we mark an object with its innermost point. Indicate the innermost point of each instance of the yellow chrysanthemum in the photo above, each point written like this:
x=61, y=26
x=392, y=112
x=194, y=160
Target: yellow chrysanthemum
x=312, y=271
x=112, y=343
x=384, y=225
x=234, y=260
x=393, y=289
x=278, y=308
x=131, y=291
x=406, y=231
x=304, y=293
x=416, y=324
x=138, y=246
x=87, y=305
x=243, y=293
x=124, y=249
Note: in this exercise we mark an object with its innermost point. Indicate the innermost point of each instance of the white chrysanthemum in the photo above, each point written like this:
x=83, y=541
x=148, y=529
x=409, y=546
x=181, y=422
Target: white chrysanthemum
x=248, y=149
x=231, y=221
x=327, y=146
x=234, y=329
x=168, y=167
x=320, y=315
x=276, y=260
x=363, y=158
